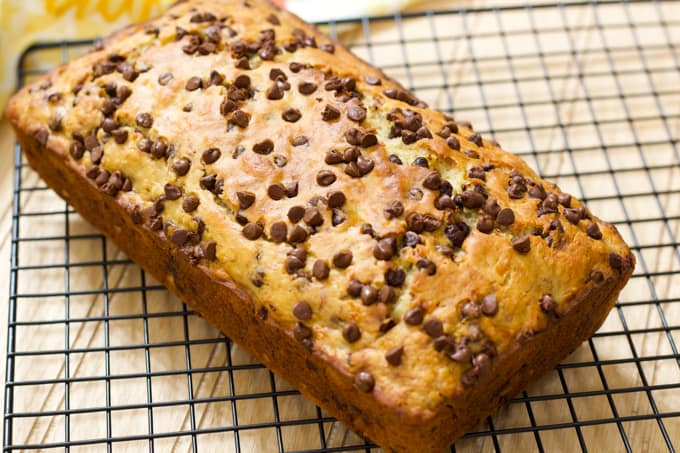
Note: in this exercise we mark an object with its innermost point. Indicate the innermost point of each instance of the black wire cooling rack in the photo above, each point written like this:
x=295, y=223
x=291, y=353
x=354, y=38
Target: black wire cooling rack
x=101, y=357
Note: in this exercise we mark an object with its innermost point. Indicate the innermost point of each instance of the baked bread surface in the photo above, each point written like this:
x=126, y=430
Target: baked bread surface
x=403, y=272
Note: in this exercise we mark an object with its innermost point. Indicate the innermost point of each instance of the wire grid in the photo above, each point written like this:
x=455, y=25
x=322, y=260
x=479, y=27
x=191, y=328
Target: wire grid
x=101, y=357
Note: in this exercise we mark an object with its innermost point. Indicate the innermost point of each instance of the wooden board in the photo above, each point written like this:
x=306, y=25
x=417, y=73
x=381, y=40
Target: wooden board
x=596, y=149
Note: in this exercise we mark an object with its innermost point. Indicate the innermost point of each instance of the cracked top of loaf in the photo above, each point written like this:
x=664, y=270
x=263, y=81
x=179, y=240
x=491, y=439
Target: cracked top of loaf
x=392, y=240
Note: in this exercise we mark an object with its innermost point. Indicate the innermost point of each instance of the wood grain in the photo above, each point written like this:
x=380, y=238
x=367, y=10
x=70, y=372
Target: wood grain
x=594, y=149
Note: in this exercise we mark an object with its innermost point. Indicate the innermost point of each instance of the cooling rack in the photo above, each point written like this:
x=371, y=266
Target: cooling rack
x=101, y=357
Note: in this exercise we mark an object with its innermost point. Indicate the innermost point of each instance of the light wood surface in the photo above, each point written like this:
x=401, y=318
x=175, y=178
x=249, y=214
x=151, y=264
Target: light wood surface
x=606, y=134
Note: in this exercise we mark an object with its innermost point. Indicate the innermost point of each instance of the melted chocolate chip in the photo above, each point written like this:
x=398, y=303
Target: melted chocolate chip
x=264, y=147
x=330, y=113
x=240, y=119
x=393, y=209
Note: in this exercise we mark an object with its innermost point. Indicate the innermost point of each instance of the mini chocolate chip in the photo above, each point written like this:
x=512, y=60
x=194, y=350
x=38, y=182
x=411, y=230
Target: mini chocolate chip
x=573, y=215
x=307, y=88
x=211, y=155
x=433, y=328
x=453, y=143
x=240, y=118
x=395, y=277
x=393, y=209
x=193, y=84
x=181, y=166
x=298, y=235
x=325, y=178
x=172, y=192
x=594, y=231
x=472, y=199
x=386, y=325
x=342, y=259
x=426, y=265
x=252, y=231
x=548, y=304
x=302, y=311
x=414, y=316
x=277, y=74
x=291, y=115
x=190, y=203
x=102, y=177
x=276, y=191
x=144, y=120
x=394, y=355
x=313, y=217
x=369, y=295
x=506, y=217
x=296, y=213
x=460, y=353
x=364, y=381
x=385, y=249
x=356, y=113
x=165, y=78
x=522, y=244
x=264, y=147
x=188, y=107
x=333, y=157
x=432, y=181
x=485, y=224
x=371, y=80
x=489, y=305
x=76, y=149
x=616, y=261
x=120, y=136
x=330, y=113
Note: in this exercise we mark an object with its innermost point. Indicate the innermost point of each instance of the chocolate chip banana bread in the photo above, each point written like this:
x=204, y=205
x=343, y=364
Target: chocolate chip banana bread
x=400, y=270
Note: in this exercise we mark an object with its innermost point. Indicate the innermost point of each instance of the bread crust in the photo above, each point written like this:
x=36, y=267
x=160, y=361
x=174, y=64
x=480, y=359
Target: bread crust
x=522, y=339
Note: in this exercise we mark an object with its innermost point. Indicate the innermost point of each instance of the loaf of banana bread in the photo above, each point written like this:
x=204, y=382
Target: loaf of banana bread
x=400, y=270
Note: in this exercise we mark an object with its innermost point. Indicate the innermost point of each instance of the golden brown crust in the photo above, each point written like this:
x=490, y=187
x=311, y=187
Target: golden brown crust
x=490, y=300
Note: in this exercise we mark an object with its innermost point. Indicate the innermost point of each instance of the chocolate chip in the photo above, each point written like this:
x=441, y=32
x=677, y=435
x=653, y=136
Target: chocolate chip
x=414, y=316
x=211, y=155
x=291, y=115
x=342, y=259
x=485, y=224
x=96, y=155
x=385, y=249
x=564, y=199
x=369, y=295
x=364, y=381
x=179, y=236
x=453, y=143
x=108, y=107
x=240, y=118
x=365, y=165
x=421, y=162
x=426, y=265
x=274, y=93
x=144, y=120
x=330, y=113
x=276, y=191
x=537, y=191
x=616, y=261
x=548, y=304
x=181, y=166
x=188, y=107
x=302, y=311
x=336, y=199
x=354, y=288
x=573, y=215
x=371, y=80
x=477, y=173
x=158, y=149
x=120, y=136
x=431, y=224
x=432, y=181
x=433, y=328
x=386, y=295
x=296, y=67
x=506, y=217
x=102, y=177
x=252, y=231
x=320, y=270
x=460, y=353
x=302, y=333
x=356, y=113
x=296, y=213
x=194, y=83
x=91, y=142
x=272, y=19
x=393, y=209
x=522, y=244
x=328, y=47
x=456, y=233
x=394, y=355
x=352, y=169
x=395, y=277
x=307, y=88
x=190, y=203
x=209, y=250
x=313, y=217
x=325, y=178
x=76, y=149
x=489, y=305
x=472, y=199
x=300, y=140
x=594, y=231
x=596, y=276
x=298, y=235
x=165, y=78
x=476, y=139
x=172, y=192
x=264, y=147
x=278, y=231
x=109, y=124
